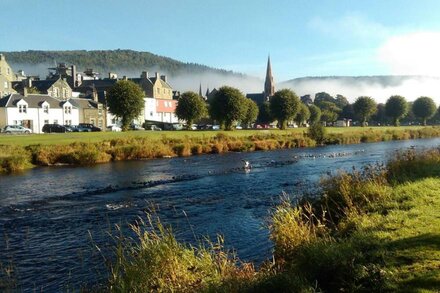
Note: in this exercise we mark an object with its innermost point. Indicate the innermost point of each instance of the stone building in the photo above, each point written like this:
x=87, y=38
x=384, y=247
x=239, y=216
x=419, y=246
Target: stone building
x=269, y=87
x=56, y=88
x=7, y=76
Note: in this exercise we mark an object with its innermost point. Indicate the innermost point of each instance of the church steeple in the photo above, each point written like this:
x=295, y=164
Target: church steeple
x=269, y=87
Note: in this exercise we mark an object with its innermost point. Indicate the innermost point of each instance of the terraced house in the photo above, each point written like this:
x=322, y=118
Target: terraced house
x=33, y=111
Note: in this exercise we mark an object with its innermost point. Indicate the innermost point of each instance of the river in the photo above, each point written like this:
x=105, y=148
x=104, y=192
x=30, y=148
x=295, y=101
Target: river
x=51, y=218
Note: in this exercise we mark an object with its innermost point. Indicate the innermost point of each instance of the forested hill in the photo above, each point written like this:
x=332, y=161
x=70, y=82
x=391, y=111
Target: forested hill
x=104, y=61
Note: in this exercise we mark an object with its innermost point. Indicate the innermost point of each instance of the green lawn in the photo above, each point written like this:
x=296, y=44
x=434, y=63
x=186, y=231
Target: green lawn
x=410, y=237
x=61, y=138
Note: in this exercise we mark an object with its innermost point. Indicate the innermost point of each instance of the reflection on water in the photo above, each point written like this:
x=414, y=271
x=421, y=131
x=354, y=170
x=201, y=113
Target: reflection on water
x=50, y=218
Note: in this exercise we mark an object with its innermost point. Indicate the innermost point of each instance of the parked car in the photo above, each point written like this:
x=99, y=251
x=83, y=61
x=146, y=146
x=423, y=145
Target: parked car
x=70, y=128
x=114, y=128
x=154, y=128
x=54, y=128
x=136, y=127
x=87, y=127
x=16, y=129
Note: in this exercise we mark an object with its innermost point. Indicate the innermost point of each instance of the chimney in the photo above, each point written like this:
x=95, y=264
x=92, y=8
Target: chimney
x=25, y=91
x=144, y=74
x=157, y=75
x=112, y=75
x=27, y=83
x=163, y=77
x=73, y=77
x=124, y=77
x=95, y=96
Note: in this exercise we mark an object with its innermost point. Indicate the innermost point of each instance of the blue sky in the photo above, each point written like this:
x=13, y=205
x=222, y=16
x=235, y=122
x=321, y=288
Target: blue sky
x=303, y=37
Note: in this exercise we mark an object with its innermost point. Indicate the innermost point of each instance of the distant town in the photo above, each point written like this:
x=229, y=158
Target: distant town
x=70, y=98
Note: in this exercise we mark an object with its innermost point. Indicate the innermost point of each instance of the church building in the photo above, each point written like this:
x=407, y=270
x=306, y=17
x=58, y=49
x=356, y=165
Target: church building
x=269, y=87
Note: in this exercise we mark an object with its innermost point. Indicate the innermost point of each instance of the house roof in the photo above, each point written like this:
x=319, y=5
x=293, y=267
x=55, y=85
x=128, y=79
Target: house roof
x=33, y=101
x=83, y=103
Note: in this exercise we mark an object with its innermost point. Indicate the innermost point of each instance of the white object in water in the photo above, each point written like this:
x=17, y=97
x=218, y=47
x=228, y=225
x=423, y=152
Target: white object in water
x=247, y=165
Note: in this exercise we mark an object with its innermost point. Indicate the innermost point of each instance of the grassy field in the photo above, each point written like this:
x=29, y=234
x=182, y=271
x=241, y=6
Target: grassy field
x=92, y=137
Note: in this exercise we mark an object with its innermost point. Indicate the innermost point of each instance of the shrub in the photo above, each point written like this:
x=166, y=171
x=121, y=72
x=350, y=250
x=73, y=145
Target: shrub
x=317, y=132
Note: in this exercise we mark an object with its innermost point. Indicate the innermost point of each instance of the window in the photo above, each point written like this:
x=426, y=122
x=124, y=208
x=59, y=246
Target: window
x=67, y=110
x=164, y=91
x=6, y=85
x=68, y=122
x=15, y=122
x=9, y=71
x=46, y=109
x=56, y=92
x=158, y=91
x=99, y=109
x=22, y=108
x=46, y=121
x=55, y=121
x=151, y=113
x=65, y=93
x=92, y=121
x=100, y=123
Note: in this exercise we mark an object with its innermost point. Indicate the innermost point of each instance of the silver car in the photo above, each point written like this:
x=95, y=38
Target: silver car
x=16, y=129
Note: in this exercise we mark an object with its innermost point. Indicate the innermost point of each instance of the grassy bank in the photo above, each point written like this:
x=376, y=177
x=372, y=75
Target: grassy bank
x=371, y=230
x=20, y=152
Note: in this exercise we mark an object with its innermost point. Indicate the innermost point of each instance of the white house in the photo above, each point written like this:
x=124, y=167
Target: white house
x=33, y=111
x=160, y=110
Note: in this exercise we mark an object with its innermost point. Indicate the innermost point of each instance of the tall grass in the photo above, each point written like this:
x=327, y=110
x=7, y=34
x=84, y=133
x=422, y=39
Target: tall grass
x=154, y=261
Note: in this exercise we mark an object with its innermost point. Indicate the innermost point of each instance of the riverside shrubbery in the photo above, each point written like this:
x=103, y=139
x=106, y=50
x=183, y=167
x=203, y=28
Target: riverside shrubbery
x=329, y=243
x=14, y=158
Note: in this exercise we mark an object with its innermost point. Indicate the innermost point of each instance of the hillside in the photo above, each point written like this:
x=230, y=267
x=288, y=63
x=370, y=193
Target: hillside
x=104, y=61
x=380, y=87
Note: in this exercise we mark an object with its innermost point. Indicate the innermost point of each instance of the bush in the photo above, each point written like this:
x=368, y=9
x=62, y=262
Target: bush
x=317, y=132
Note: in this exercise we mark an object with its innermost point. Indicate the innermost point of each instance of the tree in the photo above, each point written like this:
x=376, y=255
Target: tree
x=323, y=97
x=379, y=117
x=284, y=105
x=190, y=107
x=227, y=106
x=251, y=113
x=264, y=115
x=125, y=100
x=329, y=111
x=306, y=99
x=364, y=107
x=303, y=114
x=396, y=107
x=315, y=114
x=424, y=108
x=347, y=112
x=341, y=101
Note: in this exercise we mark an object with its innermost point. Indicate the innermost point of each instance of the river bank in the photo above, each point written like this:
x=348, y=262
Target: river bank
x=20, y=153
x=372, y=229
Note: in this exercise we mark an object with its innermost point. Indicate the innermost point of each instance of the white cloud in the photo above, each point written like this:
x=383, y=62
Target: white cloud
x=352, y=25
x=413, y=53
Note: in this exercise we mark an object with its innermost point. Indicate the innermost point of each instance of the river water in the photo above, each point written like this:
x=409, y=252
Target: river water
x=52, y=218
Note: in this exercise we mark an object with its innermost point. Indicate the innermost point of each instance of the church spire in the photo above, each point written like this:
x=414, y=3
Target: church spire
x=269, y=87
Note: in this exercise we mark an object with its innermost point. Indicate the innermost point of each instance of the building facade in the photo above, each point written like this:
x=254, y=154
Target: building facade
x=7, y=76
x=33, y=111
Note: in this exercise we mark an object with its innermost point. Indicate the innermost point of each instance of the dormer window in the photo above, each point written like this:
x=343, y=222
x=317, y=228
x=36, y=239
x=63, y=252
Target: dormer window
x=22, y=109
x=46, y=108
x=68, y=110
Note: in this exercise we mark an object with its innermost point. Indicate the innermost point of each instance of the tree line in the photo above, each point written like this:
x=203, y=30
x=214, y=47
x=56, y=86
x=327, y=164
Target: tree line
x=229, y=106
